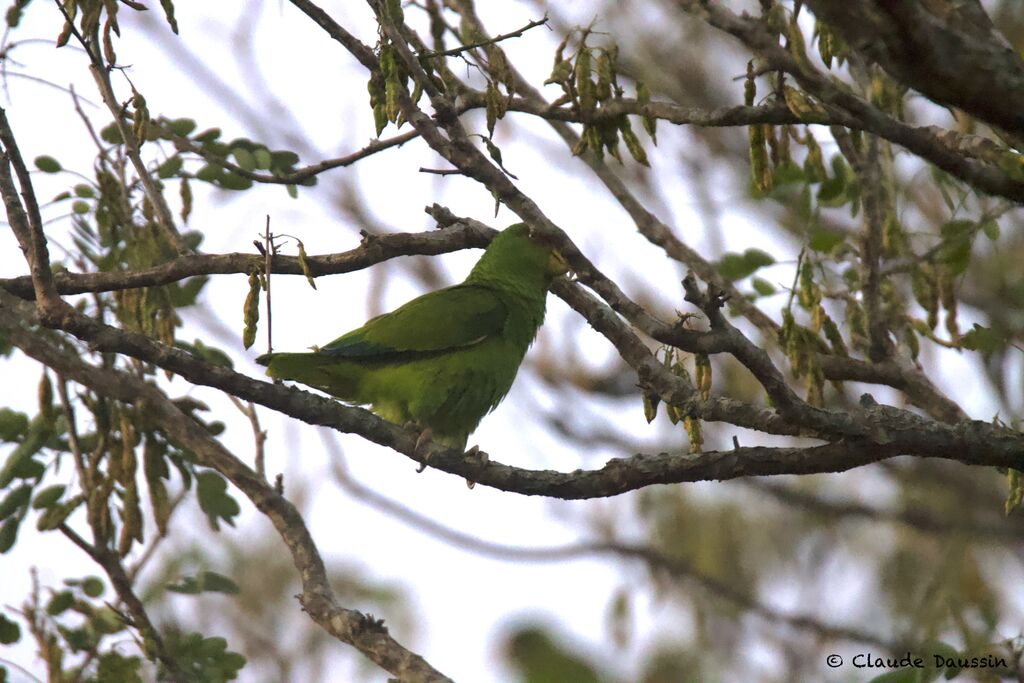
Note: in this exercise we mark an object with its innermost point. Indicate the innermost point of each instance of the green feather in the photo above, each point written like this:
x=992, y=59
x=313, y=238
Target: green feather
x=447, y=358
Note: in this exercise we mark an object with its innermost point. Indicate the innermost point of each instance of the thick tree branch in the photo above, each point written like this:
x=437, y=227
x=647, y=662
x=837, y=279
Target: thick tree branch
x=947, y=50
x=890, y=431
x=374, y=249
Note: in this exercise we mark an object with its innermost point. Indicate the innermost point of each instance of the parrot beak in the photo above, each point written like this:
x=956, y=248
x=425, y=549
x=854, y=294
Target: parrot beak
x=557, y=264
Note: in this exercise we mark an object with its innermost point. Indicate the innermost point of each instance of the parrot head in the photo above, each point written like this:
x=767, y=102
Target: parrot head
x=520, y=251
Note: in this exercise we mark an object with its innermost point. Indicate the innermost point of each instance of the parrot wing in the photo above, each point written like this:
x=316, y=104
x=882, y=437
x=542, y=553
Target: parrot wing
x=450, y=318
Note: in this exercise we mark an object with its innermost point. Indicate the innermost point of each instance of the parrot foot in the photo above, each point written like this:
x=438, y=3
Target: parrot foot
x=477, y=457
x=425, y=436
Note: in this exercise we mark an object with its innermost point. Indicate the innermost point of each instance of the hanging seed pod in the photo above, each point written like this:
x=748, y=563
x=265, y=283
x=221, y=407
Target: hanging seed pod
x=1015, y=490
x=603, y=67
x=759, y=169
x=252, y=311
x=636, y=150
x=585, y=87
x=834, y=337
x=814, y=163
x=749, y=86
x=694, y=433
x=186, y=199
x=922, y=284
x=643, y=96
x=650, y=403
x=304, y=265
x=702, y=374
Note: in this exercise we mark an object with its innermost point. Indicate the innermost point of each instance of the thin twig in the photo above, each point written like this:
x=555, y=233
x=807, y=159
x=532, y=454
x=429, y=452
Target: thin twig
x=484, y=43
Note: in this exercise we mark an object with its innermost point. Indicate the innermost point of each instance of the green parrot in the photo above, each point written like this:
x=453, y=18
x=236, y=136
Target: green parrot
x=447, y=358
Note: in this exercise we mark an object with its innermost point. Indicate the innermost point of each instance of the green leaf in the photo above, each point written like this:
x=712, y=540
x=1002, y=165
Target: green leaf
x=245, y=159
x=9, y=533
x=214, y=499
x=48, y=496
x=13, y=425
x=283, y=160
x=15, y=499
x=983, y=339
x=209, y=173
x=85, y=191
x=183, y=127
x=115, y=667
x=739, y=266
x=48, y=164
x=263, y=158
x=60, y=602
x=111, y=134
x=205, y=582
x=10, y=632
x=207, y=136
x=170, y=167
x=34, y=440
x=80, y=207
x=233, y=181
x=825, y=241
x=991, y=229
x=762, y=286
x=92, y=586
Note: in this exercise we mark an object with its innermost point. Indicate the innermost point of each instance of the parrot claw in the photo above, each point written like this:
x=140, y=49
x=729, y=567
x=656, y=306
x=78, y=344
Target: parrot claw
x=421, y=441
x=479, y=458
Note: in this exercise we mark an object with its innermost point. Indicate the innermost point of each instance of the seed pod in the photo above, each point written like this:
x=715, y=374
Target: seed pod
x=702, y=374
x=643, y=96
x=154, y=467
x=650, y=403
x=749, y=86
x=252, y=311
x=814, y=164
x=560, y=73
x=947, y=295
x=304, y=265
x=673, y=412
x=380, y=118
x=140, y=119
x=825, y=44
x=834, y=337
x=759, y=158
x=375, y=86
x=803, y=105
x=603, y=67
x=65, y=34
x=922, y=284
x=593, y=139
x=392, y=107
x=1015, y=490
x=493, y=101
x=186, y=199
x=46, y=397
x=636, y=150
x=108, y=44
x=694, y=433
x=808, y=293
x=856, y=323
x=131, y=518
x=585, y=88
x=815, y=387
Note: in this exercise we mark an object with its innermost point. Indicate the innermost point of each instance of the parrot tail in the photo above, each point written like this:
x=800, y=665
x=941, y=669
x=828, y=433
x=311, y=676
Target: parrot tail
x=316, y=370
